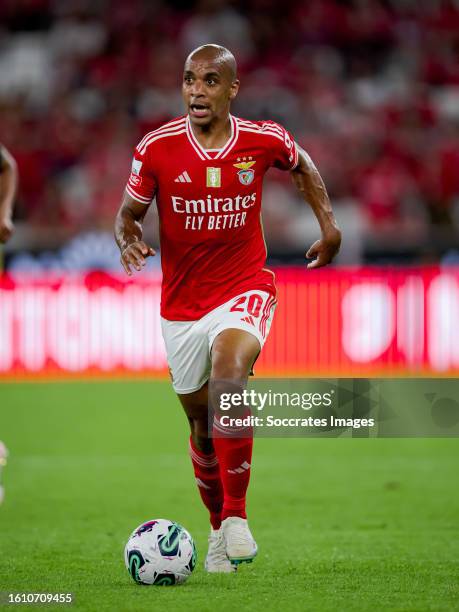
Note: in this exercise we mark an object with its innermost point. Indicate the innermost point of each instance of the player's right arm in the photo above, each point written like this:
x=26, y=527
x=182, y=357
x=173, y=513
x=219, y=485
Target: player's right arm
x=8, y=186
x=140, y=191
x=128, y=234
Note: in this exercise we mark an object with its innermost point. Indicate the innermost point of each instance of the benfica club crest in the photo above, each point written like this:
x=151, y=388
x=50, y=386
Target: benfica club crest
x=246, y=173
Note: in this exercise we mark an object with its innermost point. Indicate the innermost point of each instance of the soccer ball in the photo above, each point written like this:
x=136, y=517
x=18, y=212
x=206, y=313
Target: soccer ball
x=160, y=552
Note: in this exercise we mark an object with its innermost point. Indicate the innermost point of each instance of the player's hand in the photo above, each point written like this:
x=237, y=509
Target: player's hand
x=135, y=255
x=325, y=249
x=6, y=229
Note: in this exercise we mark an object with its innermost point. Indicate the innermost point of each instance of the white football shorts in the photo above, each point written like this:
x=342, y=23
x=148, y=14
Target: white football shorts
x=189, y=343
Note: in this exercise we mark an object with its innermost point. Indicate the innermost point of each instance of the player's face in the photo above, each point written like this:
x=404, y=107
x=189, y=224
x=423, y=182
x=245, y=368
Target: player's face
x=208, y=90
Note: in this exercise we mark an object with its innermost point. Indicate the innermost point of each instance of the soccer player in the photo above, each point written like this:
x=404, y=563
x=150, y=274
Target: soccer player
x=8, y=185
x=206, y=171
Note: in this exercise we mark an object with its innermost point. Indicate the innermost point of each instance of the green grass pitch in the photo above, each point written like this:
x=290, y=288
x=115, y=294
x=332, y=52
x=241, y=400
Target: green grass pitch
x=341, y=524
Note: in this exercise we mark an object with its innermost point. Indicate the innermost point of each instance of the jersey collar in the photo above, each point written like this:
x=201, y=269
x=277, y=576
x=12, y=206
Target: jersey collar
x=202, y=153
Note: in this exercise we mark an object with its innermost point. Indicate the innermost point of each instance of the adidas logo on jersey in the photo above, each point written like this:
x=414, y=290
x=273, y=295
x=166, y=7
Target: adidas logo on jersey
x=183, y=178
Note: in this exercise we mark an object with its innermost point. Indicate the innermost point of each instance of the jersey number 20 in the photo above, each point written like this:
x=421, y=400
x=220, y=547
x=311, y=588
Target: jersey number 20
x=253, y=305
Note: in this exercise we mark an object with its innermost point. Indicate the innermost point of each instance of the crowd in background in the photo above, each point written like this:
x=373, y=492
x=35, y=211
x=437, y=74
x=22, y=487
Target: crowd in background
x=370, y=88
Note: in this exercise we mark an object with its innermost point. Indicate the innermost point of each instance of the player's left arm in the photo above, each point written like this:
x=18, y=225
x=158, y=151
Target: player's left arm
x=311, y=186
x=8, y=187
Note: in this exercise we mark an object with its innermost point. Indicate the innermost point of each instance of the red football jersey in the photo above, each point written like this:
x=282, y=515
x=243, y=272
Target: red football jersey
x=209, y=206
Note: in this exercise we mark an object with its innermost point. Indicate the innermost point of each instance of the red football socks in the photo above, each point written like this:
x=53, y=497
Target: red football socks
x=207, y=473
x=234, y=456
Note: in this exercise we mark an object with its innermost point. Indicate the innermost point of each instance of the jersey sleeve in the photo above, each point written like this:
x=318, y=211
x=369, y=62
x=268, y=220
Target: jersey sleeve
x=141, y=184
x=283, y=150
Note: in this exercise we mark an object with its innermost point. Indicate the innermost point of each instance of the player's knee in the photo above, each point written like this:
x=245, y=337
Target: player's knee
x=233, y=354
x=229, y=367
x=222, y=392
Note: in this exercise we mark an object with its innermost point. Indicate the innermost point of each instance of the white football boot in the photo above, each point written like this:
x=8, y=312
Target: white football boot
x=3, y=456
x=216, y=560
x=240, y=545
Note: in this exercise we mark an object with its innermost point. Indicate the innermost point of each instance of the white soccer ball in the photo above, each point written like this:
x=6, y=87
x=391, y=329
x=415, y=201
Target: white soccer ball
x=160, y=552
